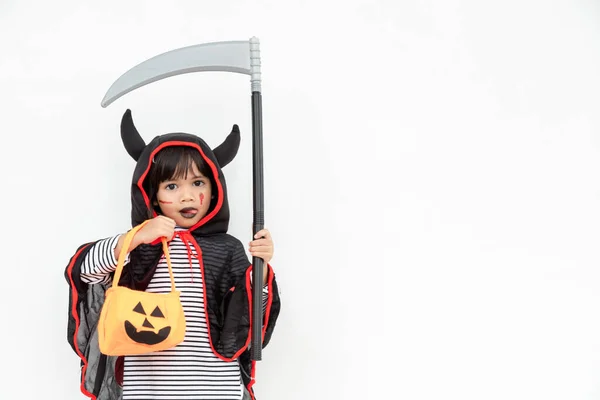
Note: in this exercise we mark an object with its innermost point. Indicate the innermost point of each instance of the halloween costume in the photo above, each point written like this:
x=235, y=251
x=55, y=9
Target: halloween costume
x=218, y=267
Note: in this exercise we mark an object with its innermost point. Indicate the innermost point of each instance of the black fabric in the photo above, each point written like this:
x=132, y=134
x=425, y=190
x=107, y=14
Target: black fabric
x=85, y=304
x=225, y=267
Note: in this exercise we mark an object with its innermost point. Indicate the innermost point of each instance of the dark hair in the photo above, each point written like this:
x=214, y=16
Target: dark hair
x=174, y=162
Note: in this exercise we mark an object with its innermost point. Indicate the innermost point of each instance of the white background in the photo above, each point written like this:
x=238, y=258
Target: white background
x=431, y=178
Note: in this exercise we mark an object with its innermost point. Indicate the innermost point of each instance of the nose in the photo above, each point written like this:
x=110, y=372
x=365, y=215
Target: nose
x=187, y=196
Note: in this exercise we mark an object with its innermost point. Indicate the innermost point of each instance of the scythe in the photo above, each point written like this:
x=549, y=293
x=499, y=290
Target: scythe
x=233, y=56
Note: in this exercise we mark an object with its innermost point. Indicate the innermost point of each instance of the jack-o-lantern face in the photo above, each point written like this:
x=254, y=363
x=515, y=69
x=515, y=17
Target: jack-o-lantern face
x=148, y=337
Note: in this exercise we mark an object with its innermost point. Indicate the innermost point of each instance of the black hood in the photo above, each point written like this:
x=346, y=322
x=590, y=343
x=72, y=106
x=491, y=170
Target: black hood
x=217, y=220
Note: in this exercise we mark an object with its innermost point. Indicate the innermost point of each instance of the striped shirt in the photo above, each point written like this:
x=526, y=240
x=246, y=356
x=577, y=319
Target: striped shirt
x=189, y=370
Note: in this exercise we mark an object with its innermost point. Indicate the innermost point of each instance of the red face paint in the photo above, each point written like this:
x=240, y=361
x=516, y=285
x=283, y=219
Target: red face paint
x=165, y=202
x=201, y=198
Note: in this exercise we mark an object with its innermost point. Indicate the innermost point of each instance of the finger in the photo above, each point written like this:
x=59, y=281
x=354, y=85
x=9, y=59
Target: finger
x=168, y=225
x=166, y=230
x=261, y=242
x=166, y=219
x=260, y=248
x=160, y=222
x=263, y=233
x=261, y=251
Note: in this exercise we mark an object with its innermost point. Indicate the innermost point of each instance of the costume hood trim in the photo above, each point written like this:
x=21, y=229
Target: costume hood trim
x=217, y=220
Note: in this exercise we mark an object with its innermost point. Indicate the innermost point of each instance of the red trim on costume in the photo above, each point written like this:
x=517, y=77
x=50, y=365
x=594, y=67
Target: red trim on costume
x=216, y=353
x=252, y=380
x=266, y=317
x=210, y=164
x=269, y=300
x=75, y=298
x=120, y=370
x=249, y=293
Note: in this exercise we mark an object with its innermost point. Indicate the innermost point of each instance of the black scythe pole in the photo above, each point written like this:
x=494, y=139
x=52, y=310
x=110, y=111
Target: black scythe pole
x=258, y=196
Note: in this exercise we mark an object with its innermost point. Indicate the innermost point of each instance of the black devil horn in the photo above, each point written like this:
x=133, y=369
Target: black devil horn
x=134, y=144
x=227, y=150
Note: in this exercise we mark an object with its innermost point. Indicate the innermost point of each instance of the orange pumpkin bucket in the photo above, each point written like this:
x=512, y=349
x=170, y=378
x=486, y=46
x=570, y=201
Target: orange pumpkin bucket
x=136, y=322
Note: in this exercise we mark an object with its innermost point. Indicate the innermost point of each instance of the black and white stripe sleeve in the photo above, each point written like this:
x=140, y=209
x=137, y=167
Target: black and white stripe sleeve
x=100, y=261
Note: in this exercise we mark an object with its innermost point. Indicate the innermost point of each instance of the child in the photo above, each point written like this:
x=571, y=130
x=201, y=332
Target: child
x=177, y=184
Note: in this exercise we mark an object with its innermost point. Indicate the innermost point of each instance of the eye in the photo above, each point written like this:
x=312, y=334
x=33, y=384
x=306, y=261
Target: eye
x=198, y=183
x=171, y=186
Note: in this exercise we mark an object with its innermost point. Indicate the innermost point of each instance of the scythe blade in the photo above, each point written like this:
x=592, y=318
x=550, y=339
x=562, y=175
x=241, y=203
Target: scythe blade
x=232, y=56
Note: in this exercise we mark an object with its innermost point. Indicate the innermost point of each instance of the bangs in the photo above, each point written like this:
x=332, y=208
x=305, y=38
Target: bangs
x=175, y=162
x=171, y=163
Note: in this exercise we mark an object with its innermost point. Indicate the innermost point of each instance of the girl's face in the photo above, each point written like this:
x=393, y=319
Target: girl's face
x=185, y=200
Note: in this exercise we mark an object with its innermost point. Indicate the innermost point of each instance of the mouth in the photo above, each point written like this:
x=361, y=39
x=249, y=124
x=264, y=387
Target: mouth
x=188, y=212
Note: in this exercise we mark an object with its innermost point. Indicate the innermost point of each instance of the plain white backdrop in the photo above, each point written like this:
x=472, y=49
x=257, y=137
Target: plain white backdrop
x=431, y=179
